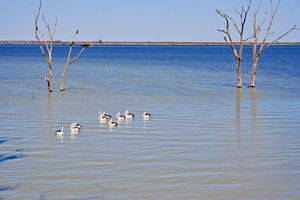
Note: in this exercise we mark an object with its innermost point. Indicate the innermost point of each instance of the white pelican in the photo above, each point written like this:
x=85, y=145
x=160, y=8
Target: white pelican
x=146, y=116
x=120, y=117
x=60, y=132
x=128, y=116
x=78, y=125
x=102, y=118
x=73, y=128
x=107, y=116
x=112, y=124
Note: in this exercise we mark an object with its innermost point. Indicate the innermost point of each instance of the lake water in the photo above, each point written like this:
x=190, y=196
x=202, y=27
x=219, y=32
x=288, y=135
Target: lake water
x=206, y=139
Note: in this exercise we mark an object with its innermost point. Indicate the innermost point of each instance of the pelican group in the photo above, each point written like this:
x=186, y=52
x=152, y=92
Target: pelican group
x=104, y=118
x=75, y=127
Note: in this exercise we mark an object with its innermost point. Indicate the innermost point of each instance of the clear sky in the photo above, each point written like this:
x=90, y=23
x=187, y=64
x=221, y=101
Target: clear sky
x=137, y=20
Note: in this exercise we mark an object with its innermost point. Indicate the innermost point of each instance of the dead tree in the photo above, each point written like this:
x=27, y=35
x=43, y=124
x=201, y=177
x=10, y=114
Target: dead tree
x=263, y=45
x=238, y=56
x=48, y=44
x=63, y=72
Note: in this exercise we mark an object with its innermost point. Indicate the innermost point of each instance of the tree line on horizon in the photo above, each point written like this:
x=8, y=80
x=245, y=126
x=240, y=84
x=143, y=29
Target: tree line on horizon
x=229, y=21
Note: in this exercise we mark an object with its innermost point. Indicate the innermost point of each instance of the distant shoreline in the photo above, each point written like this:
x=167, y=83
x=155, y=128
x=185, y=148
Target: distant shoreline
x=135, y=43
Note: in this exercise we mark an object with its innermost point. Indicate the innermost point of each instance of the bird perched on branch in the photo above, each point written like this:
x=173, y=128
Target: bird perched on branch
x=85, y=45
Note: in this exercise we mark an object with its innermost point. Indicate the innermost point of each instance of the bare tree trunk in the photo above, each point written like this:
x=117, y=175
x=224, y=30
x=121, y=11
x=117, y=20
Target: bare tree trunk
x=254, y=71
x=48, y=46
x=263, y=46
x=239, y=79
x=63, y=79
x=63, y=73
x=238, y=56
x=49, y=80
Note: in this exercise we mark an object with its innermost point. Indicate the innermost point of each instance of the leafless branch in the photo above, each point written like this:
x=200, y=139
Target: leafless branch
x=38, y=31
x=270, y=25
x=294, y=28
x=263, y=45
x=245, y=40
x=49, y=50
x=75, y=58
x=243, y=16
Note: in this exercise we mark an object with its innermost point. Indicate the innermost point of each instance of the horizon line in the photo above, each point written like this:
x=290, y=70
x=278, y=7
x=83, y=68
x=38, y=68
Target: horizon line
x=101, y=42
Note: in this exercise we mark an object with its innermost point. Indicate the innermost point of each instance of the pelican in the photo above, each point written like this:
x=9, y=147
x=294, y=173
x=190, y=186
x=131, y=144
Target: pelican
x=120, y=117
x=78, y=125
x=108, y=117
x=60, y=132
x=128, y=116
x=102, y=118
x=146, y=116
x=112, y=124
x=73, y=128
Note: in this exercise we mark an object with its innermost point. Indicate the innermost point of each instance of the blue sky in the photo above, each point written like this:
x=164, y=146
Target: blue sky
x=137, y=20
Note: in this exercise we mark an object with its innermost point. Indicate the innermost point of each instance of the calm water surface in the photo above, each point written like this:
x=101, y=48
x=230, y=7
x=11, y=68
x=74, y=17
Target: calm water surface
x=206, y=138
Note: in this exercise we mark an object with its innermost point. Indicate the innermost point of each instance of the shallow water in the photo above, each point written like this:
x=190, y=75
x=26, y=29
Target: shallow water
x=206, y=138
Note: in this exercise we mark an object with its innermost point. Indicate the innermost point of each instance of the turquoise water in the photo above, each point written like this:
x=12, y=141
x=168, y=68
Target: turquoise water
x=206, y=138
